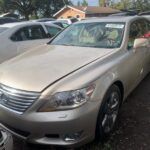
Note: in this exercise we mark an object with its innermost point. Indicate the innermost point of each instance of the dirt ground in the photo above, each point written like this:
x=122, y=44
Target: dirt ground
x=133, y=127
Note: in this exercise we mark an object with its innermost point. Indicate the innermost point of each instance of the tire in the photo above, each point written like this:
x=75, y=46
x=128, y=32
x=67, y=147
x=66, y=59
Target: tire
x=108, y=113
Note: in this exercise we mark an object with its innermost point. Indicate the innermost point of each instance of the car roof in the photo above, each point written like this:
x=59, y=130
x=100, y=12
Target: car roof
x=27, y=23
x=124, y=19
x=8, y=18
x=11, y=25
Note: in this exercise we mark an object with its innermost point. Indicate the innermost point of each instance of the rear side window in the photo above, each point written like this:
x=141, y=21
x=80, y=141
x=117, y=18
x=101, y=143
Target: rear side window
x=138, y=29
x=52, y=30
x=29, y=33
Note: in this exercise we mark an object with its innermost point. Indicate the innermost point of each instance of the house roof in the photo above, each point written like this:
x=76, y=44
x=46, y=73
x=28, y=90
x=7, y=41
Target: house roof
x=90, y=10
x=96, y=9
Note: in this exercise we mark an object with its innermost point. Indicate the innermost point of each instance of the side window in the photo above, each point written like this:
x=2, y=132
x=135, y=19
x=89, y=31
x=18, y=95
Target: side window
x=145, y=25
x=135, y=32
x=29, y=33
x=36, y=32
x=20, y=35
x=138, y=29
x=52, y=30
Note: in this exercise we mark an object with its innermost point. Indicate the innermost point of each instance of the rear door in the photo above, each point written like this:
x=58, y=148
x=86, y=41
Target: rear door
x=145, y=27
x=135, y=59
x=29, y=37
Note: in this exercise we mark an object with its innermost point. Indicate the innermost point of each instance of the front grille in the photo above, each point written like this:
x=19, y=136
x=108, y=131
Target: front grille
x=17, y=100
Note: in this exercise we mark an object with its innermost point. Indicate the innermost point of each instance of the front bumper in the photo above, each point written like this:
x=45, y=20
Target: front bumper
x=6, y=141
x=53, y=128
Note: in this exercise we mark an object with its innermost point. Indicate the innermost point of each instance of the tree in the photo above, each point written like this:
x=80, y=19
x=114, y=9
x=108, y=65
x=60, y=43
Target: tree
x=47, y=8
x=141, y=5
x=4, y=6
x=102, y=3
x=123, y=4
x=43, y=8
x=84, y=3
x=24, y=7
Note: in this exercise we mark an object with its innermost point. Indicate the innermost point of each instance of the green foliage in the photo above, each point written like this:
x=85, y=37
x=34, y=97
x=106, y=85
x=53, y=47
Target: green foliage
x=43, y=8
x=102, y=3
x=84, y=3
x=4, y=6
x=123, y=4
x=141, y=5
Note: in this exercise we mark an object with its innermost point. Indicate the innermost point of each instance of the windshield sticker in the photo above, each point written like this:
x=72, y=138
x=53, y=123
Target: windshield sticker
x=117, y=26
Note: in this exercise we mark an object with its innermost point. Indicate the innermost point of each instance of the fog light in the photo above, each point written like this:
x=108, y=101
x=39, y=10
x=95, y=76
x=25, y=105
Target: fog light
x=72, y=137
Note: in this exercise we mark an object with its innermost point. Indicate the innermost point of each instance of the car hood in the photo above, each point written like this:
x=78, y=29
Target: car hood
x=37, y=69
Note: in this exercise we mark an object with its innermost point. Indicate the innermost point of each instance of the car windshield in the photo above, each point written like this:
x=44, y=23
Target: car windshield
x=95, y=34
x=2, y=29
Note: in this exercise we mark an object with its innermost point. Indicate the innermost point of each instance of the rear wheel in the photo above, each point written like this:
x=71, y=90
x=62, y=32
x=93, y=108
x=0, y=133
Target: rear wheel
x=109, y=112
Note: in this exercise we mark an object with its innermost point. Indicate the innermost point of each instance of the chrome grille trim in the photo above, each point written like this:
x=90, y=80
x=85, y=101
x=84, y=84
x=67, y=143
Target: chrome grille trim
x=16, y=100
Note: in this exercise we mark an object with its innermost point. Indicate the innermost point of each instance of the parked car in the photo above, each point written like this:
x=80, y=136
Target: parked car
x=17, y=38
x=70, y=91
x=44, y=20
x=69, y=20
x=6, y=141
x=4, y=20
x=61, y=24
x=125, y=13
x=147, y=13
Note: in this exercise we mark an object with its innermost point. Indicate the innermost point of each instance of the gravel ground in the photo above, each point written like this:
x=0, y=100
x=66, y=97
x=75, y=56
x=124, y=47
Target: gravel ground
x=132, y=131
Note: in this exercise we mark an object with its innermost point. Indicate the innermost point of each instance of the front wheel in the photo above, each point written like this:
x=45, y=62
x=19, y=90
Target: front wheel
x=108, y=112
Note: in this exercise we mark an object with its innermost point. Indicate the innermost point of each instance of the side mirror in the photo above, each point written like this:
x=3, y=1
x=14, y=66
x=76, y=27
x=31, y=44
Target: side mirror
x=140, y=42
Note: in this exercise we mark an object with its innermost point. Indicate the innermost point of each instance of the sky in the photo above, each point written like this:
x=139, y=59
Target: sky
x=90, y=2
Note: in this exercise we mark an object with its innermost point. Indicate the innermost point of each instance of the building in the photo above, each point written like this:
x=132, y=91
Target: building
x=83, y=12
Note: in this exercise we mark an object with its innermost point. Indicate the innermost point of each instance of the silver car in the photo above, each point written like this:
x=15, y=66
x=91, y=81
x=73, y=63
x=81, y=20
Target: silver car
x=70, y=91
x=17, y=38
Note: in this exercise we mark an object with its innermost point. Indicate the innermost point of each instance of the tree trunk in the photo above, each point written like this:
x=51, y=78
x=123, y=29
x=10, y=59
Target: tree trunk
x=26, y=16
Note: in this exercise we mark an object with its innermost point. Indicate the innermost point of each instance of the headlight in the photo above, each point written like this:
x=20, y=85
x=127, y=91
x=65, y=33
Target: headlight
x=68, y=100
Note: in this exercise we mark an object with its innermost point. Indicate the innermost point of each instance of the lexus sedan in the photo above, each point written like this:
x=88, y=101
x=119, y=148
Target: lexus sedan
x=70, y=91
x=17, y=38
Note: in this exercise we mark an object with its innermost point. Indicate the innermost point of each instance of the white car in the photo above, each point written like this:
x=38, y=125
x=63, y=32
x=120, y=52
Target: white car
x=17, y=38
x=69, y=20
